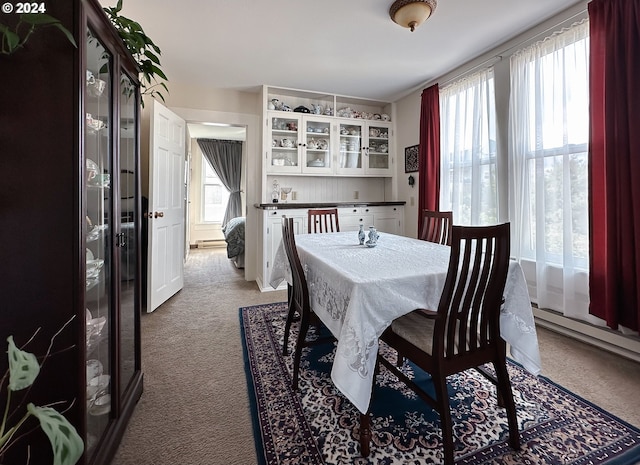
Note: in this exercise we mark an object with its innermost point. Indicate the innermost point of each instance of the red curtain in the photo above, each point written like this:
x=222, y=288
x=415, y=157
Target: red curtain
x=614, y=80
x=429, y=155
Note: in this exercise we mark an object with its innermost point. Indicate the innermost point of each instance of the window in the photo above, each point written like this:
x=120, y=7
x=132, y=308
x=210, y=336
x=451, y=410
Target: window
x=468, y=150
x=549, y=134
x=214, y=195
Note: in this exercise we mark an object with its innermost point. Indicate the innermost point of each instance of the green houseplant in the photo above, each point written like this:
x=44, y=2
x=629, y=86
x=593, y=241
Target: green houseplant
x=142, y=49
x=23, y=370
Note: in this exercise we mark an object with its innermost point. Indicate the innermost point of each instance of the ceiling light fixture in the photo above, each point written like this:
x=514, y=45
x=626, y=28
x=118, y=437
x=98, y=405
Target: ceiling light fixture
x=411, y=13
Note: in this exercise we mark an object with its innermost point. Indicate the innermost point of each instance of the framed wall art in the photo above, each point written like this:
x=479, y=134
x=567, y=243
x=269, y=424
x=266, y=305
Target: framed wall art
x=411, y=159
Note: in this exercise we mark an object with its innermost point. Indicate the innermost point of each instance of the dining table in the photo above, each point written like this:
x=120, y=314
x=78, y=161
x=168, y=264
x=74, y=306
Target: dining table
x=357, y=291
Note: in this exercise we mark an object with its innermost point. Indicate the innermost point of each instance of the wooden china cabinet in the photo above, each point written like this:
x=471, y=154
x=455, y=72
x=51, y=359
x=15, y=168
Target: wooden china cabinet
x=70, y=226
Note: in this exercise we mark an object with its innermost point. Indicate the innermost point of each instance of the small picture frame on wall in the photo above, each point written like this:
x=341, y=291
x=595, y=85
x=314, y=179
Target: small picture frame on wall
x=411, y=159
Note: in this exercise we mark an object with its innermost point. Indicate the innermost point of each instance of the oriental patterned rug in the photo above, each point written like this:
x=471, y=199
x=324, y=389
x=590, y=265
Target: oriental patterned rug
x=318, y=425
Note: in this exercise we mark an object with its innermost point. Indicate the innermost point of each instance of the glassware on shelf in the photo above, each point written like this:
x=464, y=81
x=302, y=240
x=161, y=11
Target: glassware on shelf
x=284, y=193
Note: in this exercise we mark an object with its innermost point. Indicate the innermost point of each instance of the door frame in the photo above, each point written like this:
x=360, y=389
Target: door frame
x=253, y=171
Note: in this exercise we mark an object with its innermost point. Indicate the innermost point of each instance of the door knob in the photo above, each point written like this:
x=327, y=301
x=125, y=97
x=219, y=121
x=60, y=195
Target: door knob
x=158, y=214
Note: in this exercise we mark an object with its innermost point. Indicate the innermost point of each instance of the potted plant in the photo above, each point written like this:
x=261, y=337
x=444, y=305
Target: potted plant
x=23, y=370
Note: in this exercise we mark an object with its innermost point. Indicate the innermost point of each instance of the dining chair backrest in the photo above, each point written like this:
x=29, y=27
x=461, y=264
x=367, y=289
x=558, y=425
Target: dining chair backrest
x=323, y=221
x=436, y=226
x=300, y=291
x=469, y=310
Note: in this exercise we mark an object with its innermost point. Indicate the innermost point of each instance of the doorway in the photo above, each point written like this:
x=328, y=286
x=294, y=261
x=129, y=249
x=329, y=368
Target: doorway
x=207, y=196
x=251, y=167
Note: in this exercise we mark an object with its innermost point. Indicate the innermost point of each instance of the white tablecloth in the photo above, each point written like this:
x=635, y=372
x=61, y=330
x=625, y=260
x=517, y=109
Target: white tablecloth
x=358, y=291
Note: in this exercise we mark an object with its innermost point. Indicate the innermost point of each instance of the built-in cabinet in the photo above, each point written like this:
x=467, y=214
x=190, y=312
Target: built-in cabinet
x=71, y=226
x=339, y=136
x=385, y=218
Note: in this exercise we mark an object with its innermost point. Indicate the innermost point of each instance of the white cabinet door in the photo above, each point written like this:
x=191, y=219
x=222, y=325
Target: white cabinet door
x=379, y=147
x=349, y=147
x=299, y=143
x=317, y=145
x=364, y=147
x=389, y=219
x=283, y=142
x=351, y=218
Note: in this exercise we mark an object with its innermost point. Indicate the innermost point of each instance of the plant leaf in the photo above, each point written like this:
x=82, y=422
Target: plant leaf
x=23, y=367
x=66, y=443
x=12, y=39
x=38, y=18
x=66, y=33
x=149, y=54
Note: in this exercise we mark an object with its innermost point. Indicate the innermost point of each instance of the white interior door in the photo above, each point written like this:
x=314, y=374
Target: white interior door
x=166, y=205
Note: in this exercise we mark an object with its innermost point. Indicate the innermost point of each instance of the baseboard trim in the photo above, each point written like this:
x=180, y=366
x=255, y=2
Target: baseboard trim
x=604, y=338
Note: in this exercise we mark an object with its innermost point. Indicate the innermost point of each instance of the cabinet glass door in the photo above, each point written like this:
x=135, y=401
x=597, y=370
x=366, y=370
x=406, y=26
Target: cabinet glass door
x=98, y=216
x=351, y=146
x=378, y=147
x=126, y=239
x=318, y=145
x=285, y=144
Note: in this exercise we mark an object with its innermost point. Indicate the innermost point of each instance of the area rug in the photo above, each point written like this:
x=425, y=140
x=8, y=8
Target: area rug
x=318, y=425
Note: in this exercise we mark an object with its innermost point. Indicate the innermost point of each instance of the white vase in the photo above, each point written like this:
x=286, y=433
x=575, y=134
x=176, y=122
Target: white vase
x=361, y=235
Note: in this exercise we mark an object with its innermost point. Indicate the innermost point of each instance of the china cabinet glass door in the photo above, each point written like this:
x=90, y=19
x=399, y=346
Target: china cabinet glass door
x=351, y=147
x=126, y=239
x=378, y=147
x=285, y=148
x=98, y=149
x=317, y=146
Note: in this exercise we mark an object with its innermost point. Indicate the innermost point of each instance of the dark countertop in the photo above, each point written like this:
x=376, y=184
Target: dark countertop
x=354, y=203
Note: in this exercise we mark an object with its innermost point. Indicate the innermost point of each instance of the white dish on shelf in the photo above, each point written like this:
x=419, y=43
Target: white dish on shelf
x=101, y=382
x=316, y=164
x=95, y=325
x=94, y=368
x=101, y=405
x=94, y=267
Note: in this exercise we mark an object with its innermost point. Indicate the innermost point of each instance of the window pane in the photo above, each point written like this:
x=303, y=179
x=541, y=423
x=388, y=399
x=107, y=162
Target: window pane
x=468, y=150
x=214, y=195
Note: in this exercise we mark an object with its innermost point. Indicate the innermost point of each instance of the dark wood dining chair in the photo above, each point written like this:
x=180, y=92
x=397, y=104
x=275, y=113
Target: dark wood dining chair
x=464, y=332
x=298, y=302
x=436, y=226
x=322, y=221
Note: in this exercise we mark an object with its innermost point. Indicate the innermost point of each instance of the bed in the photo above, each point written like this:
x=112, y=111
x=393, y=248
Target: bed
x=234, y=237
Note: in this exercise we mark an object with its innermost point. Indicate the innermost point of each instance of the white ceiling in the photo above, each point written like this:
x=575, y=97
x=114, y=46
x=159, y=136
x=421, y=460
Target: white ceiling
x=347, y=47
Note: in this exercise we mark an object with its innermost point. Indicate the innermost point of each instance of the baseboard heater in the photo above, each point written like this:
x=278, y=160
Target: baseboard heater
x=604, y=338
x=205, y=243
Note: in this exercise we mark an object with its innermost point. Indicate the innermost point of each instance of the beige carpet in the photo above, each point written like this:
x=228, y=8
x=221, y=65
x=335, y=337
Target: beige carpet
x=195, y=410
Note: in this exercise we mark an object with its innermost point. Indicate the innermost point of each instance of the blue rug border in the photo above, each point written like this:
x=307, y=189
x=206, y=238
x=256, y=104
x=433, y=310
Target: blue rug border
x=631, y=457
x=253, y=405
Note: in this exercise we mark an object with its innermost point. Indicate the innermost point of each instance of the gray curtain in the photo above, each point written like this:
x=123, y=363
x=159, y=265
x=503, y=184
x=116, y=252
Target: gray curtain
x=225, y=157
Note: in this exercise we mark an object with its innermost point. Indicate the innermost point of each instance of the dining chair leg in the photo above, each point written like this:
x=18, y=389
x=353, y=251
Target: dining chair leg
x=365, y=434
x=304, y=327
x=287, y=325
x=506, y=394
x=446, y=424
